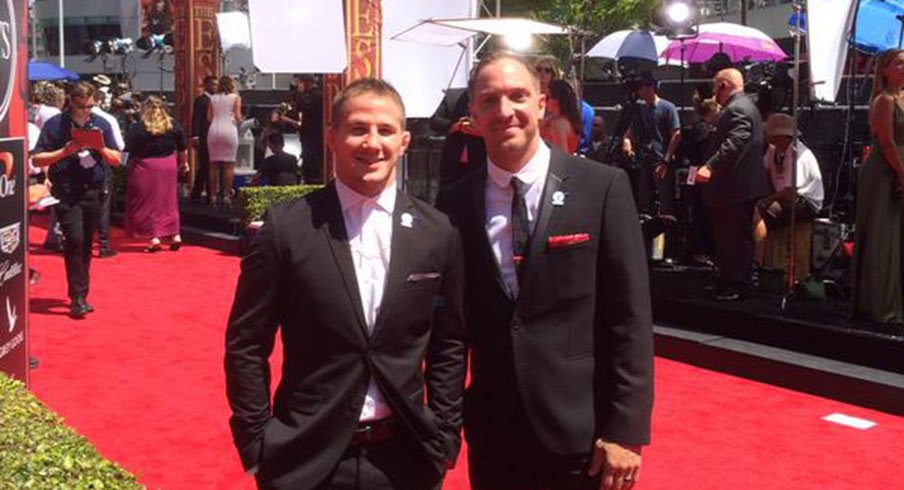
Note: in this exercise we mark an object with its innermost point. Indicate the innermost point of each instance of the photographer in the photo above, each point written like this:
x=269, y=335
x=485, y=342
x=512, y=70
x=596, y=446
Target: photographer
x=652, y=140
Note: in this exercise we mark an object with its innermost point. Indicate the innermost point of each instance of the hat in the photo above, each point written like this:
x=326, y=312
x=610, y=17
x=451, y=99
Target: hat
x=779, y=124
x=101, y=79
x=646, y=78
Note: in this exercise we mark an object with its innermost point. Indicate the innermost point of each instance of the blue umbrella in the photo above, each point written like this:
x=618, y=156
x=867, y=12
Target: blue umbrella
x=39, y=70
x=878, y=27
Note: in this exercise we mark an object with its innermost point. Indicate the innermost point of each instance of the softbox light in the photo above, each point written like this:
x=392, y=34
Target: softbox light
x=233, y=30
x=291, y=36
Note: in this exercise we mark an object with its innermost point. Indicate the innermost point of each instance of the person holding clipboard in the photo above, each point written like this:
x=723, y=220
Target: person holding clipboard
x=73, y=144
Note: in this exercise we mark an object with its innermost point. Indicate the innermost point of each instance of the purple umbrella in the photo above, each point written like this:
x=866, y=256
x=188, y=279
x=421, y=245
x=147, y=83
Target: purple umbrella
x=737, y=41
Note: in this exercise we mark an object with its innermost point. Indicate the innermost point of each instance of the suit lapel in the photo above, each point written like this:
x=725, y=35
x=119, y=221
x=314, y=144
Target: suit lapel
x=404, y=240
x=337, y=237
x=479, y=215
x=555, y=182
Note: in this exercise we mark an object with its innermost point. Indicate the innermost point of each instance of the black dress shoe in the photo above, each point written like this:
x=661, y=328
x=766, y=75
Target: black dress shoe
x=727, y=295
x=79, y=308
x=106, y=252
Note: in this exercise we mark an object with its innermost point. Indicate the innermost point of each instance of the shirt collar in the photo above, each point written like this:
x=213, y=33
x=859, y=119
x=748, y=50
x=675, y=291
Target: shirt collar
x=535, y=169
x=348, y=198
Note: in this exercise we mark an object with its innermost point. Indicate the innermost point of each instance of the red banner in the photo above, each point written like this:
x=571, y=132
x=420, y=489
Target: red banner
x=13, y=190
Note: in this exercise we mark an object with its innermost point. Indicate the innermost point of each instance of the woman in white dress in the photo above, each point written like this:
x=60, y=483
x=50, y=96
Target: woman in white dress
x=224, y=114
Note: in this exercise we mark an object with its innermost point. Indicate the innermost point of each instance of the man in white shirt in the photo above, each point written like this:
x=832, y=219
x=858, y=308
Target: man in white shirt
x=775, y=209
x=103, y=225
x=365, y=284
x=557, y=299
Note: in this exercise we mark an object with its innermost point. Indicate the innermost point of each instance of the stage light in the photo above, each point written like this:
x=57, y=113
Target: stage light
x=92, y=47
x=677, y=19
x=678, y=13
x=519, y=41
x=154, y=43
x=121, y=46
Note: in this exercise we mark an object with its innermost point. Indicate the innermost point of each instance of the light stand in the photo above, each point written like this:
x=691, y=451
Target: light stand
x=792, y=226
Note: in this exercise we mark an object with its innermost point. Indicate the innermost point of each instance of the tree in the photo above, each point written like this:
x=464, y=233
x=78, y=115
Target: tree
x=597, y=17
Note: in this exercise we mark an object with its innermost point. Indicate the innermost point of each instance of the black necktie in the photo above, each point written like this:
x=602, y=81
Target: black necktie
x=520, y=226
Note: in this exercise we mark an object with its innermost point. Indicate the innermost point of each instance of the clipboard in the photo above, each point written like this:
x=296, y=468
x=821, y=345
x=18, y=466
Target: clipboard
x=88, y=138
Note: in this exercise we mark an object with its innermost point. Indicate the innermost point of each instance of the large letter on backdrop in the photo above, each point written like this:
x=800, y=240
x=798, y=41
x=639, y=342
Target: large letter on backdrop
x=13, y=226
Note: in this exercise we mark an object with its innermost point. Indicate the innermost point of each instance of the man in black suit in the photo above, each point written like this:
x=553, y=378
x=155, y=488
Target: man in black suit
x=734, y=180
x=557, y=301
x=365, y=284
x=199, y=127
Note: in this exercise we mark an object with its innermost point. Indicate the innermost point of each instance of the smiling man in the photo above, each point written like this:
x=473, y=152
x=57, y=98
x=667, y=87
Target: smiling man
x=557, y=302
x=364, y=284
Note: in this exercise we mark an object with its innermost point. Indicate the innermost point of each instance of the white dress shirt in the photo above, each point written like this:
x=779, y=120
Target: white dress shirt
x=499, y=208
x=368, y=222
x=44, y=113
x=117, y=131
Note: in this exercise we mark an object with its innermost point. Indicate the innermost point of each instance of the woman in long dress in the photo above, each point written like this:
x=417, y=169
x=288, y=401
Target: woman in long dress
x=878, y=289
x=224, y=114
x=156, y=147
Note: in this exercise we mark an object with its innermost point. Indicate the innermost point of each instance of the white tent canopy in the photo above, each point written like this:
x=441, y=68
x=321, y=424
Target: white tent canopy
x=448, y=32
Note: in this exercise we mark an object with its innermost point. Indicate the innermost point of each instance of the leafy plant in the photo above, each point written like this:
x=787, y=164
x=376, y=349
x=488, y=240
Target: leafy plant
x=253, y=201
x=38, y=451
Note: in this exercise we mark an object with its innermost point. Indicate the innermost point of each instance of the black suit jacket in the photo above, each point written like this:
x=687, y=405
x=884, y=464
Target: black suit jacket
x=737, y=165
x=199, y=123
x=299, y=276
x=576, y=347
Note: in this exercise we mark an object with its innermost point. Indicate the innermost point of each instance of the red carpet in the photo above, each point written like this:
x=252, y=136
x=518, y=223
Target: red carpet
x=142, y=378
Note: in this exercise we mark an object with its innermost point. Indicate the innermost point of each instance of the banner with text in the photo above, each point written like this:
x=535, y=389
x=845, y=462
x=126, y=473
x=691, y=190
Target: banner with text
x=13, y=185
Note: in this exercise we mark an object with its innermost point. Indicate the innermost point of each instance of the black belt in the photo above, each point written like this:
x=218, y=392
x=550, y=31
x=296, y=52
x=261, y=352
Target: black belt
x=372, y=432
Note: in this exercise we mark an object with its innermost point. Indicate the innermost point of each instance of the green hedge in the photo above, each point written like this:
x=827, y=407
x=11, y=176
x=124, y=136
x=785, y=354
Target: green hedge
x=38, y=451
x=253, y=201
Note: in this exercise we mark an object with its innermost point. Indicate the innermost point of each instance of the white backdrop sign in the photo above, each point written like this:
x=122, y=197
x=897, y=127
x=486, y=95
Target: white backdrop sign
x=828, y=25
x=292, y=36
x=420, y=70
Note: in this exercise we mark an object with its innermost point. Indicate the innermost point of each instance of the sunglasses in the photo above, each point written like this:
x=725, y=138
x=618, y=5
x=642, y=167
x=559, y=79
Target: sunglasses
x=544, y=69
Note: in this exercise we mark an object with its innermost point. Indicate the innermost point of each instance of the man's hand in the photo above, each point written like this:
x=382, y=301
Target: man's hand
x=464, y=125
x=704, y=174
x=627, y=147
x=774, y=209
x=660, y=170
x=620, y=465
x=71, y=147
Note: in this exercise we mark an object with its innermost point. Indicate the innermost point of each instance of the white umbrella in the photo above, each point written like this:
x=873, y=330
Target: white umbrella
x=632, y=44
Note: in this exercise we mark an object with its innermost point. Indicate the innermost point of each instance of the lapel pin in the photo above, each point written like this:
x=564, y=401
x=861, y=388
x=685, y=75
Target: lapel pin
x=558, y=198
x=407, y=220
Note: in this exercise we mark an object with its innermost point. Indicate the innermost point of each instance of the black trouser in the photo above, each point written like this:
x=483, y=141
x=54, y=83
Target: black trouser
x=202, y=170
x=653, y=195
x=733, y=234
x=514, y=459
x=393, y=464
x=78, y=217
x=103, y=223
x=312, y=156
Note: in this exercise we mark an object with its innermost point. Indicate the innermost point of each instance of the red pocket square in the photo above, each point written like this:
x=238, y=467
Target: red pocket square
x=560, y=241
